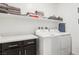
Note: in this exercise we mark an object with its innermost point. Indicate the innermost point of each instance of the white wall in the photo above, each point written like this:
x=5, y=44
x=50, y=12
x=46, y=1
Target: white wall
x=47, y=8
x=16, y=25
x=22, y=25
x=70, y=16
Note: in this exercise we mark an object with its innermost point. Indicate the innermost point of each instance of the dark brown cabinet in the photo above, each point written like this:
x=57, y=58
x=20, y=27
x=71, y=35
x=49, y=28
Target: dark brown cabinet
x=14, y=51
x=26, y=47
x=30, y=49
x=0, y=49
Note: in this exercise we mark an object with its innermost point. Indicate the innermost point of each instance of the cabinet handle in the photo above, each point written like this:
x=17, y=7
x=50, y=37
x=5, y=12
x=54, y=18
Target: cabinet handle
x=30, y=42
x=12, y=46
x=25, y=52
x=19, y=52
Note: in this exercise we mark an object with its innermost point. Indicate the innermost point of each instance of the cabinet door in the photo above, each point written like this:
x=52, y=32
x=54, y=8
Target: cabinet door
x=12, y=48
x=11, y=51
x=30, y=47
x=0, y=49
x=30, y=50
x=61, y=45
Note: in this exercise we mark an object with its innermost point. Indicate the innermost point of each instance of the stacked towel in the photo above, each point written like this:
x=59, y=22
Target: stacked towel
x=3, y=8
x=14, y=10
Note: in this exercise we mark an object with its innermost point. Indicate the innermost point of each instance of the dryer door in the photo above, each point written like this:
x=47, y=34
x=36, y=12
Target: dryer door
x=63, y=45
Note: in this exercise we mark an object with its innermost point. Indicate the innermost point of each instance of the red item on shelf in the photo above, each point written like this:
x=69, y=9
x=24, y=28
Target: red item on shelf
x=35, y=17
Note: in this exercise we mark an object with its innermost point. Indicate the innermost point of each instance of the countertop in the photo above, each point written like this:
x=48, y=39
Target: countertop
x=53, y=34
x=6, y=39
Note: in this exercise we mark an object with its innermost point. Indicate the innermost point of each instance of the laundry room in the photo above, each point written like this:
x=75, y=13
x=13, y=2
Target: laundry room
x=39, y=28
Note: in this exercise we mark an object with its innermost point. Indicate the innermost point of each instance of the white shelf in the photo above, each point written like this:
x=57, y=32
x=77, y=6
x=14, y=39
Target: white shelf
x=10, y=16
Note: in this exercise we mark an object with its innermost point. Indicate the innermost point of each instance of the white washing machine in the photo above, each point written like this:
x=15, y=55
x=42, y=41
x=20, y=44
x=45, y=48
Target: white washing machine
x=55, y=43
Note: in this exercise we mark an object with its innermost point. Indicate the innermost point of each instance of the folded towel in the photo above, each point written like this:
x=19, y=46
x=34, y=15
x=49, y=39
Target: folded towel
x=14, y=11
x=3, y=10
x=13, y=8
x=3, y=6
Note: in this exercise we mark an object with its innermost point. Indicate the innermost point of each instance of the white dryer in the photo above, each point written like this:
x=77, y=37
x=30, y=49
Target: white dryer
x=55, y=43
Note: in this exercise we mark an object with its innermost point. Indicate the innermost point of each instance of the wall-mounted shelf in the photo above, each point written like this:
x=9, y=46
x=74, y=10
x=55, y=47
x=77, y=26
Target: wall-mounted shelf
x=10, y=16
